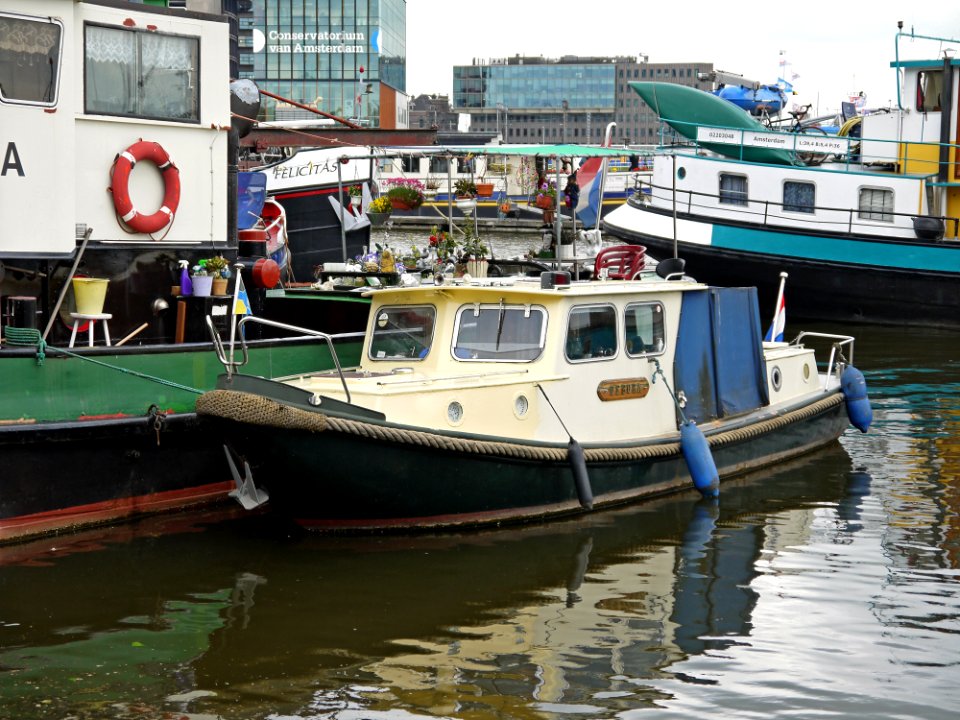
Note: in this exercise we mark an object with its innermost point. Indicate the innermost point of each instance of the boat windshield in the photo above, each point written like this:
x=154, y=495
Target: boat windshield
x=499, y=332
x=403, y=333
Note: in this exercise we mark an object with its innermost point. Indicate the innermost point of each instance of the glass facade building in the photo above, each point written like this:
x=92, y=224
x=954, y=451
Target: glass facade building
x=335, y=55
x=572, y=99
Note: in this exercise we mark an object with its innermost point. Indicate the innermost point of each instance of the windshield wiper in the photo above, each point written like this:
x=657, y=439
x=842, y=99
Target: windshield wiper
x=500, y=324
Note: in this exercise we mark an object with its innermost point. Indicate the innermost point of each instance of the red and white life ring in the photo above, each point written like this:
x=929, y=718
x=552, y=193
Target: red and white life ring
x=122, y=167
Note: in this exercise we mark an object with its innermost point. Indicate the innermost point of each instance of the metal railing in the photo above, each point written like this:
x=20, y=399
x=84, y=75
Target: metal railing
x=231, y=365
x=837, y=358
x=851, y=214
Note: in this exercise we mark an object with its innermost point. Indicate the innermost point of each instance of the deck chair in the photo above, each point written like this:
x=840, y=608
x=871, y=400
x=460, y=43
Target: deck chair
x=621, y=262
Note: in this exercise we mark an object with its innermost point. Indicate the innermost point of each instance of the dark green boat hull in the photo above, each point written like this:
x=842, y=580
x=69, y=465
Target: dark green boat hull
x=338, y=481
x=85, y=443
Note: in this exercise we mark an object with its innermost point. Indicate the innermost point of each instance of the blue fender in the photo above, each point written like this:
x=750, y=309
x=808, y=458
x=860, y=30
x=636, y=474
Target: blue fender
x=696, y=451
x=578, y=464
x=854, y=388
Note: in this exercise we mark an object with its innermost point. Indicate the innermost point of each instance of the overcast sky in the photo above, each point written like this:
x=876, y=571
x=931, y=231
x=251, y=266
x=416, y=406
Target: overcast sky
x=833, y=48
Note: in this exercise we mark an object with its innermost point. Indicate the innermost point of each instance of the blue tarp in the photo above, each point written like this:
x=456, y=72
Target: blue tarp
x=719, y=364
x=251, y=194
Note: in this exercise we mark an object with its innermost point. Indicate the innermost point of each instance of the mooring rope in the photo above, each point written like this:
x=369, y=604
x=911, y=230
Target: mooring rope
x=126, y=371
x=26, y=337
x=257, y=410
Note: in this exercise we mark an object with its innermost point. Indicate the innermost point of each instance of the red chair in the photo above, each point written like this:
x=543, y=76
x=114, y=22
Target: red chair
x=622, y=262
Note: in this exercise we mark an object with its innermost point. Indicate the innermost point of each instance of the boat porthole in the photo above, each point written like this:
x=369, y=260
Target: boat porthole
x=455, y=413
x=806, y=372
x=520, y=406
x=681, y=172
x=776, y=378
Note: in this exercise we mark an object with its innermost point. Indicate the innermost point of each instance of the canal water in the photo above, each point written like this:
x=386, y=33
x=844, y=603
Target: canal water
x=826, y=587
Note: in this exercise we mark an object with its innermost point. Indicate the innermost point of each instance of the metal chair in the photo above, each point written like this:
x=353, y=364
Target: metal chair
x=621, y=262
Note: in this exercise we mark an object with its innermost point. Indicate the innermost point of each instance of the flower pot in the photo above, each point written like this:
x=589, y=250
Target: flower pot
x=219, y=286
x=485, y=189
x=403, y=204
x=545, y=202
x=377, y=218
x=90, y=294
x=477, y=268
x=202, y=285
x=466, y=205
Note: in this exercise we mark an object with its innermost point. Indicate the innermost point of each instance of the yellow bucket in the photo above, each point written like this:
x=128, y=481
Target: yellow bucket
x=90, y=294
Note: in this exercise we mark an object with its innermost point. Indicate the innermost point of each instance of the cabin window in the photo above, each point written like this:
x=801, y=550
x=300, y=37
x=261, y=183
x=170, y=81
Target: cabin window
x=799, y=197
x=929, y=87
x=591, y=333
x=402, y=333
x=733, y=189
x=141, y=74
x=29, y=60
x=499, y=332
x=876, y=204
x=643, y=327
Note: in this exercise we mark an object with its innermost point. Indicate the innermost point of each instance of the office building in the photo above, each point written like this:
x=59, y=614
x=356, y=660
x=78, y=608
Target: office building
x=573, y=99
x=344, y=57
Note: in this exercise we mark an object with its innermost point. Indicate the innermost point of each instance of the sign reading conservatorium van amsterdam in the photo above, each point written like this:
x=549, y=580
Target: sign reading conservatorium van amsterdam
x=623, y=389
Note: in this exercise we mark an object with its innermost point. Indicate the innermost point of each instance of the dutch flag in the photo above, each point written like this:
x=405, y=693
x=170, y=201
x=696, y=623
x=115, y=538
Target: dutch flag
x=775, y=333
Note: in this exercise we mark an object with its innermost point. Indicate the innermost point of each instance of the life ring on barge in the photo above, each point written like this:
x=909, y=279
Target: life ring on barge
x=120, y=181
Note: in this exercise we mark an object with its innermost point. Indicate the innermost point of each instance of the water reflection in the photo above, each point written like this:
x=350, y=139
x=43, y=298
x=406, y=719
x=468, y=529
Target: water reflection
x=510, y=623
x=825, y=586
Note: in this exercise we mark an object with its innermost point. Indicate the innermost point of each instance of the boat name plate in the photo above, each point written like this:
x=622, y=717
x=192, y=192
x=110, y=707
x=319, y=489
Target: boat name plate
x=623, y=389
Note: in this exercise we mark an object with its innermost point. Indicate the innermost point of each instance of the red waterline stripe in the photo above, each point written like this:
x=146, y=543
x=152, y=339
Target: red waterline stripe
x=79, y=515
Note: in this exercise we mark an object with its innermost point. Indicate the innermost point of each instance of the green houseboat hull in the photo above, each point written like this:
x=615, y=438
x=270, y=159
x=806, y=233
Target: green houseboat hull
x=112, y=434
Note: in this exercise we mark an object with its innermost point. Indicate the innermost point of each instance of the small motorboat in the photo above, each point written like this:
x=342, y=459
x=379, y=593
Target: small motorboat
x=516, y=399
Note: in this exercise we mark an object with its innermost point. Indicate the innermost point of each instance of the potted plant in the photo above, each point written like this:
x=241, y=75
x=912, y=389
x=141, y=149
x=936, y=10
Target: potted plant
x=201, y=279
x=219, y=269
x=405, y=194
x=484, y=189
x=474, y=254
x=464, y=188
x=430, y=186
x=445, y=247
x=379, y=210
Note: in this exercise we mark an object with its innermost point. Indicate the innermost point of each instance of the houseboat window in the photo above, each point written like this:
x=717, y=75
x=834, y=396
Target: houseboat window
x=29, y=60
x=591, y=333
x=876, y=204
x=409, y=164
x=402, y=333
x=439, y=164
x=929, y=87
x=141, y=74
x=733, y=189
x=508, y=333
x=798, y=197
x=643, y=327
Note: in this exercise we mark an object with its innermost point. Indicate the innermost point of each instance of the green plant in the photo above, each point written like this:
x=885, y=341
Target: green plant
x=432, y=183
x=445, y=245
x=409, y=194
x=380, y=205
x=355, y=190
x=465, y=187
x=473, y=247
x=217, y=266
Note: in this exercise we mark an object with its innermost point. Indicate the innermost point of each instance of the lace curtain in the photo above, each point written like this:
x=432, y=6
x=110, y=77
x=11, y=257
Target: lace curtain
x=143, y=74
x=29, y=60
x=28, y=37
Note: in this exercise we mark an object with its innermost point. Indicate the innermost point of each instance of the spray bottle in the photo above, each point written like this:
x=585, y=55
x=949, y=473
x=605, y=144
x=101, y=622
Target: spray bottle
x=186, y=284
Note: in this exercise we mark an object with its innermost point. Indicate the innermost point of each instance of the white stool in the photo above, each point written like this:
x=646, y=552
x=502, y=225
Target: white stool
x=92, y=319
